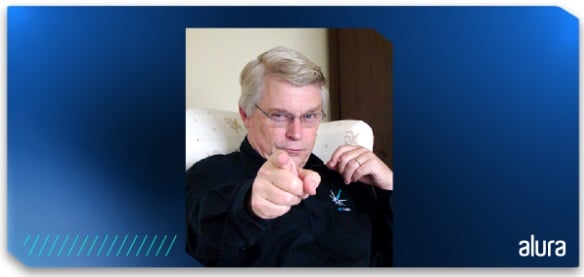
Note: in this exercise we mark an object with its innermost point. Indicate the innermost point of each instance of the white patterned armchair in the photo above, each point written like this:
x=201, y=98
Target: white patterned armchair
x=210, y=132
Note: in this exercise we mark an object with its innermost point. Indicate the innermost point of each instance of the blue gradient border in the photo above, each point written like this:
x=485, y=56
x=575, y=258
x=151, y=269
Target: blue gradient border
x=485, y=128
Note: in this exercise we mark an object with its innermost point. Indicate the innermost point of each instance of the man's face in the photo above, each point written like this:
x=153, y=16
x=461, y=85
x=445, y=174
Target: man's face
x=294, y=138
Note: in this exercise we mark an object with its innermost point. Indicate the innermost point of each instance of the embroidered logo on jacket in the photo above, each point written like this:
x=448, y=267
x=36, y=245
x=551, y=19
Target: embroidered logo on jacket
x=340, y=203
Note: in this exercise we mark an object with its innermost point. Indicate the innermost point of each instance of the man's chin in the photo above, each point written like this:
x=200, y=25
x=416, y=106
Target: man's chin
x=300, y=161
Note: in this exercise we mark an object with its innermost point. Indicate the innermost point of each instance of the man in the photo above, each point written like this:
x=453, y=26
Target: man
x=274, y=203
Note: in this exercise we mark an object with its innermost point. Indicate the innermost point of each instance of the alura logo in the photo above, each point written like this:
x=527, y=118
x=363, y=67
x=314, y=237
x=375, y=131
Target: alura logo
x=544, y=248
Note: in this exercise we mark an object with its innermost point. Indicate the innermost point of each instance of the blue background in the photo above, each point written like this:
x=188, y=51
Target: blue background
x=485, y=129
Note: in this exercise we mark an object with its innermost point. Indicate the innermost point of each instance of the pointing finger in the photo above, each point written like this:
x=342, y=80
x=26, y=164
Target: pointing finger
x=310, y=180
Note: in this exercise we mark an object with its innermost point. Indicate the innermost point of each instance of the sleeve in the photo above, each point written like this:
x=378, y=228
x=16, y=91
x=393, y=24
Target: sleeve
x=220, y=225
x=383, y=229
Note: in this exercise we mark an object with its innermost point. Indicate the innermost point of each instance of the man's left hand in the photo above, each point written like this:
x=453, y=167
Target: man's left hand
x=357, y=163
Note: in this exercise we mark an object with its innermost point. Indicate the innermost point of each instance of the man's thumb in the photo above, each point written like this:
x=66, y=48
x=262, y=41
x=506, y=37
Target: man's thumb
x=281, y=159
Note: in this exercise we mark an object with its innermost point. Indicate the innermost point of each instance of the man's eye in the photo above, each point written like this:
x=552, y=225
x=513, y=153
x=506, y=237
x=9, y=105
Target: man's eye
x=311, y=117
x=278, y=117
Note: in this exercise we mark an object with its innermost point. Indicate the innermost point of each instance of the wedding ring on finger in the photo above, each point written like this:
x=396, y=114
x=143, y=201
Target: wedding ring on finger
x=358, y=162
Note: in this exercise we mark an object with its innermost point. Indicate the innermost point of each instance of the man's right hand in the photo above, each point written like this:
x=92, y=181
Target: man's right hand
x=279, y=185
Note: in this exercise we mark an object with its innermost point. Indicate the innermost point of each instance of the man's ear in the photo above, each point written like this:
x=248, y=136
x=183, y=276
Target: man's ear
x=244, y=117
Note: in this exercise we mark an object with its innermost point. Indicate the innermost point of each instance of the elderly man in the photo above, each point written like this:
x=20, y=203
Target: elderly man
x=274, y=203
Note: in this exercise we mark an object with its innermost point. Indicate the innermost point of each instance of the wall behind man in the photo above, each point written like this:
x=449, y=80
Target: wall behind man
x=215, y=58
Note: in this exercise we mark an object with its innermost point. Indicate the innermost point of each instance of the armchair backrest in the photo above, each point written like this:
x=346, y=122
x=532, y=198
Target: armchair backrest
x=210, y=132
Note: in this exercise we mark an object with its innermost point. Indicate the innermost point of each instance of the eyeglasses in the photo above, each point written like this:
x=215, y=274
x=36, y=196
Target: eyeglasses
x=283, y=119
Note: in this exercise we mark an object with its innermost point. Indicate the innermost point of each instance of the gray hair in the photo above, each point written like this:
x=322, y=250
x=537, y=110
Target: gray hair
x=283, y=63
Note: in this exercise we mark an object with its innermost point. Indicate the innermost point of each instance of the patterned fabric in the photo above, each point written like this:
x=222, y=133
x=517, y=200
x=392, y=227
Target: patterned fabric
x=209, y=132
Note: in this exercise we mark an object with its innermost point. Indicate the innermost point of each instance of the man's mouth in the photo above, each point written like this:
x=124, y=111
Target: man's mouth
x=293, y=152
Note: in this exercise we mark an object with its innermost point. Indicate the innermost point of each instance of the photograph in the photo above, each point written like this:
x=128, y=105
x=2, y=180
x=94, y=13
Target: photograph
x=288, y=148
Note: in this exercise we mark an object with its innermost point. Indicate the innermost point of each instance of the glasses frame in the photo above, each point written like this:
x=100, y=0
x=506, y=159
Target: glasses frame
x=291, y=117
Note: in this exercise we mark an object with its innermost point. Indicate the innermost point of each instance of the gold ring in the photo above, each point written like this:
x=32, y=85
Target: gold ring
x=358, y=162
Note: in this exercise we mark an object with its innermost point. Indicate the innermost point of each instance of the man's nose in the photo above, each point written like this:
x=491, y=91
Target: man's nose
x=294, y=130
